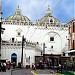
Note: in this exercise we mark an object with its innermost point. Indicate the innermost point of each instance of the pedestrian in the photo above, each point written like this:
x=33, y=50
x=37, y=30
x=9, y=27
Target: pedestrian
x=34, y=67
x=14, y=65
x=0, y=67
x=19, y=65
x=8, y=65
x=4, y=67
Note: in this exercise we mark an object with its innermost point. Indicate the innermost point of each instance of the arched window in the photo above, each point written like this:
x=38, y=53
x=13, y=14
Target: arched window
x=13, y=55
x=51, y=47
x=51, y=20
x=18, y=33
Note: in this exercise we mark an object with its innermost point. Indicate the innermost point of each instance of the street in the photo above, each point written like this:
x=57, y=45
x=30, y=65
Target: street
x=27, y=72
x=22, y=72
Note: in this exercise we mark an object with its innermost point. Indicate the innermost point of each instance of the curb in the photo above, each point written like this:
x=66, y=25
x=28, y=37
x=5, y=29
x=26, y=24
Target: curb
x=58, y=73
x=34, y=73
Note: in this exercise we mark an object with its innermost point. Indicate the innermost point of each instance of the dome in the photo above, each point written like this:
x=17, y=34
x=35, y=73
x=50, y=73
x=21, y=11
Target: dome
x=18, y=17
x=48, y=19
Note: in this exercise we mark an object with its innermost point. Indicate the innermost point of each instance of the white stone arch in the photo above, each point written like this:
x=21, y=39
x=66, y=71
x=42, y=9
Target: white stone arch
x=57, y=37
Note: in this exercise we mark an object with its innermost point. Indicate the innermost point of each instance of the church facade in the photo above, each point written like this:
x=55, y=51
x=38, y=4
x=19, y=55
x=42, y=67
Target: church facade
x=47, y=36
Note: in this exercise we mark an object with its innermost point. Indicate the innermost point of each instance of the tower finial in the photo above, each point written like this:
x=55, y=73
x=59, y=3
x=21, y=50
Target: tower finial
x=48, y=11
x=48, y=6
x=18, y=6
x=18, y=11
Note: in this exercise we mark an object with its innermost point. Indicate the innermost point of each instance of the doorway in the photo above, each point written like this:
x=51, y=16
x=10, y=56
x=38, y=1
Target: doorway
x=14, y=58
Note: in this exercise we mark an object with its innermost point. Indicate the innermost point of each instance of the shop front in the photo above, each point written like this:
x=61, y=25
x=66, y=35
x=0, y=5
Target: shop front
x=48, y=60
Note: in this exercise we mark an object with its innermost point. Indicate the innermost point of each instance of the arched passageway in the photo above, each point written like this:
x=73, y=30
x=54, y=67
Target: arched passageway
x=14, y=58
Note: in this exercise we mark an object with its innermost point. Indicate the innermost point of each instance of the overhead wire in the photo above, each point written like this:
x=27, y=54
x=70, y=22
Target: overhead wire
x=36, y=16
x=27, y=32
x=62, y=33
x=32, y=34
x=42, y=5
x=39, y=10
x=56, y=6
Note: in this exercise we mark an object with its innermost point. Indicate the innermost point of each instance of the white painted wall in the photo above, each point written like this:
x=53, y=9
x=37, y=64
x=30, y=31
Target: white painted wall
x=26, y=54
x=40, y=35
x=28, y=51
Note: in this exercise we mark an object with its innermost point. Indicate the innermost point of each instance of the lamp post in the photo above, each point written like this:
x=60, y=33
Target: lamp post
x=0, y=40
x=1, y=30
x=44, y=52
x=23, y=40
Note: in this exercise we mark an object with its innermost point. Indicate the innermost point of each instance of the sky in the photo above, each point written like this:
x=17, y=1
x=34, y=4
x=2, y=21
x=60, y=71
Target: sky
x=63, y=10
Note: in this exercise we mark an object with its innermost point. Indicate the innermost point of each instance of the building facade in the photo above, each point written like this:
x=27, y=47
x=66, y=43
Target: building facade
x=72, y=34
x=0, y=29
x=47, y=30
x=71, y=39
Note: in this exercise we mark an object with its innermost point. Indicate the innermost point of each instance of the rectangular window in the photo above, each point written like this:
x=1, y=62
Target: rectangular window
x=51, y=38
x=12, y=39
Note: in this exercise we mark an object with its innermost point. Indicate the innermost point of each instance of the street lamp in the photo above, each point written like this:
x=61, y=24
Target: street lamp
x=44, y=52
x=1, y=30
x=23, y=40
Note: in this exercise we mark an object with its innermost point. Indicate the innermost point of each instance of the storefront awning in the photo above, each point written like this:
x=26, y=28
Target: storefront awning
x=71, y=51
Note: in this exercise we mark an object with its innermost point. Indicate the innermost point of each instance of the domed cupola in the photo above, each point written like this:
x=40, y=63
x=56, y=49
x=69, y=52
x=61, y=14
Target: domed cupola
x=18, y=18
x=48, y=11
x=48, y=19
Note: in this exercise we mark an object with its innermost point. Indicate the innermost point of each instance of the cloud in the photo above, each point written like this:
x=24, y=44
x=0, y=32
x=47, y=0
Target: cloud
x=35, y=9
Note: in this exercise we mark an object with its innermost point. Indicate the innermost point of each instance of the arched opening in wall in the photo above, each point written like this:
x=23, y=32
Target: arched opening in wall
x=51, y=21
x=14, y=58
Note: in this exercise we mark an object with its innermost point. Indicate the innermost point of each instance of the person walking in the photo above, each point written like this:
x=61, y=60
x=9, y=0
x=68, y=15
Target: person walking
x=34, y=67
x=14, y=65
x=0, y=67
x=8, y=65
x=4, y=67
